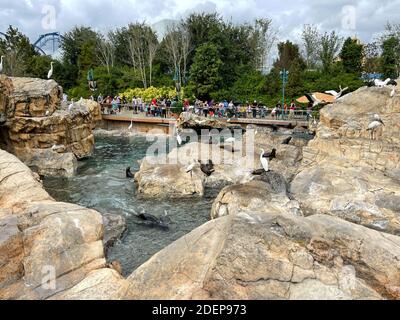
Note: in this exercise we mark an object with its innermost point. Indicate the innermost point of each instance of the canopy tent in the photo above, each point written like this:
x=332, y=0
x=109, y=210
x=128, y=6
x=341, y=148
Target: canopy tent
x=320, y=96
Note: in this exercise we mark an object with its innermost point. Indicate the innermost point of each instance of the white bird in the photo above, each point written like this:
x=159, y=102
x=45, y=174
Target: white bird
x=264, y=161
x=375, y=125
x=1, y=64
x=71, y=105
x=337, y=95
x=47, y=113
x=230, y=140
x=314, y=100
x=50, y=74
x=179, y=139
x=382, y=84
x=81, y=101
x=131, y=126
x=201, y=122
x=190, y=168
x=393, y=93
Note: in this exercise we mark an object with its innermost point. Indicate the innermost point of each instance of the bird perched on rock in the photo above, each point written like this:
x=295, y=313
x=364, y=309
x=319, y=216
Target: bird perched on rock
x=393, y=93
x=381, y=84
x=50, y=74
x=266, y=157
x=375, y=125
x=179, y=139
x=190, y=168
x=71, y=106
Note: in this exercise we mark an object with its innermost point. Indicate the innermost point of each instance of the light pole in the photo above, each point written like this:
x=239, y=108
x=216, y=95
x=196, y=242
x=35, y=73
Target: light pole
x=284, y=77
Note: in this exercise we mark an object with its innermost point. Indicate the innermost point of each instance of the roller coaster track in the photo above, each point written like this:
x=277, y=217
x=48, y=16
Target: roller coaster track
x=40, y=44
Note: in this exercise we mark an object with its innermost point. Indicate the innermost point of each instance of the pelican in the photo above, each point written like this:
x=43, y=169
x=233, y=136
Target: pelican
x=314, y=100
x=382, y=84
x=337, y=95
x=50, y=74
x=375, y=125
x=1, y=64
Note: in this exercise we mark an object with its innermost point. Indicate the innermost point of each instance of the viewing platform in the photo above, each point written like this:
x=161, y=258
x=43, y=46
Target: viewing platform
x=143, y=124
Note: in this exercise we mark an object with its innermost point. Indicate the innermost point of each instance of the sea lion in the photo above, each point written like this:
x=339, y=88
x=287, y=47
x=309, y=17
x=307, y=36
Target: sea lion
x=129, y=173
x=207, y=169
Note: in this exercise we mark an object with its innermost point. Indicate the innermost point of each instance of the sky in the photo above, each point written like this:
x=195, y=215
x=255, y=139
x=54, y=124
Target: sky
x=362, y=18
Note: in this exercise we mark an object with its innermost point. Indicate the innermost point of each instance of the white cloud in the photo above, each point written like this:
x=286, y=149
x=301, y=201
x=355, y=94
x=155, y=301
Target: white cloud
x=288, y=16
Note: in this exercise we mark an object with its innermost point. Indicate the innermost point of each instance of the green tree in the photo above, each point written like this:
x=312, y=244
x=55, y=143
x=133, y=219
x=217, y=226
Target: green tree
x=288, y=53
x=205, y=73
x=390, y=57
x=329, y=46
x=18, y=52
x=78, y=49
x=352, y=56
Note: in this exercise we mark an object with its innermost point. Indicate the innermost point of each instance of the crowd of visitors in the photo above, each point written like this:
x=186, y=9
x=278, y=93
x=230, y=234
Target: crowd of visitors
x=165, y=107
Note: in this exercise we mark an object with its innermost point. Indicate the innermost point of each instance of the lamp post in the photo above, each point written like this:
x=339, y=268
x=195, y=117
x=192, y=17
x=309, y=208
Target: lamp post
x=284, y=77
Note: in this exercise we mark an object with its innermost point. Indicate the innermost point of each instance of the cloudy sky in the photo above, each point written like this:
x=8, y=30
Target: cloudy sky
x=364, y=18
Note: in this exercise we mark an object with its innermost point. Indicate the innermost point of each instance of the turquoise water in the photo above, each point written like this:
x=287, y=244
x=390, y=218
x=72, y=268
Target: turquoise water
x=101, y=184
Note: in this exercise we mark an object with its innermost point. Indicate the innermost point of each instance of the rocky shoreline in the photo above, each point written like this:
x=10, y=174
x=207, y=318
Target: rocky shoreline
x=322, y=224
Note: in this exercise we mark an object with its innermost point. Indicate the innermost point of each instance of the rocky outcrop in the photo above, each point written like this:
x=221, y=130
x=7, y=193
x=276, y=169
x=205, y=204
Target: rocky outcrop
x=171, y=181
x=273, y=256
x=347, y=174
x=47, y=136
x=268, y=194
x=46, y=247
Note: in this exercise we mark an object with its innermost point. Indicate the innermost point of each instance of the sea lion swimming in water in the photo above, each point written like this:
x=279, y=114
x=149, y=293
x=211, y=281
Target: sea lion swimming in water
x=207, y=169
x=152, y=221
x=129, y=173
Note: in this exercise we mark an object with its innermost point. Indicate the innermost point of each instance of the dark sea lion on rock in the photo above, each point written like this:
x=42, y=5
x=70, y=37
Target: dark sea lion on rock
x=129, y=173
x=276, y=181
x=287, y=140
x=115, y=265
x=207, y=169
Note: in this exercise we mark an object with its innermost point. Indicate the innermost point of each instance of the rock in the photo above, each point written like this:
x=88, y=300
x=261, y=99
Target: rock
x=346, y=174
x=114, y=228
x=273, y=256
x=170, y=181
x=49, y=163
x=359, y=195
x=259, y=196
x=33, y=97
x=37, y=124
x=104, y=284
x=46, y=247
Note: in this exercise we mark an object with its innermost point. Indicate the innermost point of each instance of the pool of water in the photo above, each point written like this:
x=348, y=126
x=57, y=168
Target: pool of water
x=101, y=184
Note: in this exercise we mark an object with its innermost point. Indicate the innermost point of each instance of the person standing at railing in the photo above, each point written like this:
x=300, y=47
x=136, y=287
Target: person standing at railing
x=292, y=110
